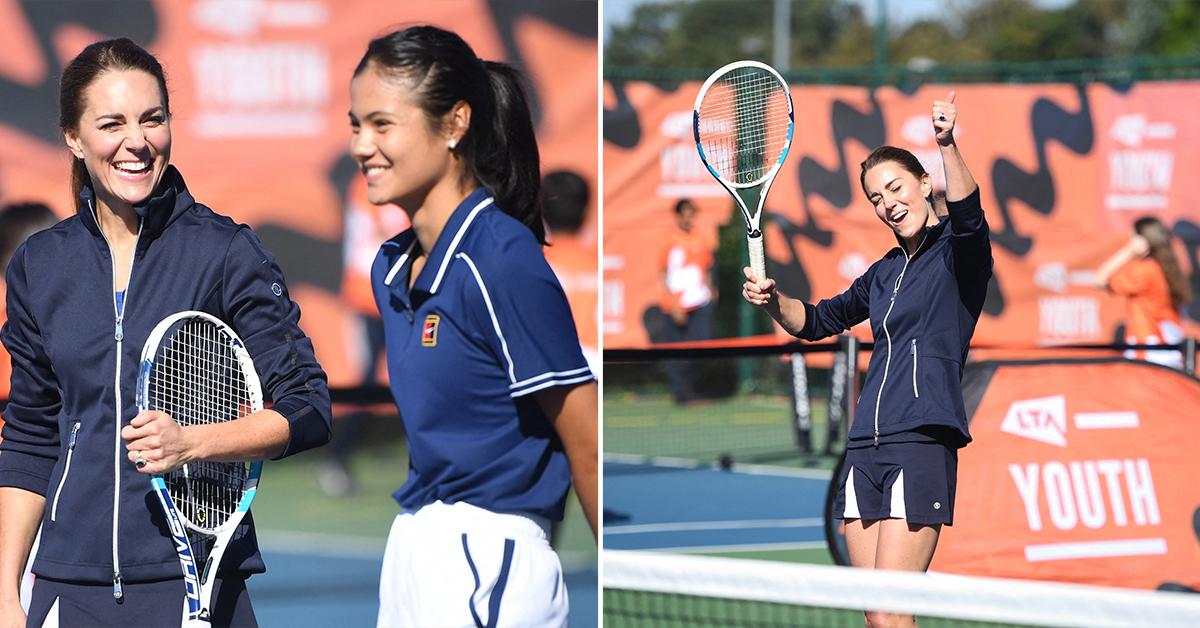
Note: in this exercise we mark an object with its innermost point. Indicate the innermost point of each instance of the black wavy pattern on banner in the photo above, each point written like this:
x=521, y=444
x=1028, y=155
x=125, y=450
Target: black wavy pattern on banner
x=622, y=125
x=572, y=17
x=848, y=123
x=25, y=107
x=1049, y=121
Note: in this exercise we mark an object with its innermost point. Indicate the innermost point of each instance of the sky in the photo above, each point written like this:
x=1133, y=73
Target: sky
x=900, y=12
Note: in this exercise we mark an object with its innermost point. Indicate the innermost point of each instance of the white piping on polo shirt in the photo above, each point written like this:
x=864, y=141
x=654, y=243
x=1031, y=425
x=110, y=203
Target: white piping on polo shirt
x=437, y=280
x=522, y=388
x=387, y=281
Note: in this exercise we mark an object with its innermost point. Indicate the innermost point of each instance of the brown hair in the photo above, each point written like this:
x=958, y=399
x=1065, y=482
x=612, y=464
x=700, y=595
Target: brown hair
x=1159, y=238
x=98, y=58
x=907, y=160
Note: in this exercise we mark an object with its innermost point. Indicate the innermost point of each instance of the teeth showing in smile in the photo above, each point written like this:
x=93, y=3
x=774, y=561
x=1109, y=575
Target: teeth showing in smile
x=896, y=219
x=370, y=170
x=132, y=167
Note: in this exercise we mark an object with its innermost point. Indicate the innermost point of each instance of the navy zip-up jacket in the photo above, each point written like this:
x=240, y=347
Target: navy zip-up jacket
x=75, y=366
x=923, y=312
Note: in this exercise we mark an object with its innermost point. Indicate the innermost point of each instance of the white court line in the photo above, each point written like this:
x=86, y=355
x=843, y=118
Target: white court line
x=747, y=469
x=1095, y=549
x=1105, y=420
x=742, y=524
x=746, y=547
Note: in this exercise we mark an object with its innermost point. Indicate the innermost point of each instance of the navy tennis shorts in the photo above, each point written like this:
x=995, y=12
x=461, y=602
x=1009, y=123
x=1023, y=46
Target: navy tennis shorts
x=914, y=481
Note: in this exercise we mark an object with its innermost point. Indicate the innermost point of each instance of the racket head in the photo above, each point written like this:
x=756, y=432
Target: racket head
x=195, y=368
x=743, y=123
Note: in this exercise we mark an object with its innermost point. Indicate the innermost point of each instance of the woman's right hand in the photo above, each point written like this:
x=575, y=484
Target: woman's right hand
x=759, y=292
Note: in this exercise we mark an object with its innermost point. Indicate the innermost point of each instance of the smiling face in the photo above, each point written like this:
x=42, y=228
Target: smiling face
x=900, y=199
x=403, y=155
x=123, y=136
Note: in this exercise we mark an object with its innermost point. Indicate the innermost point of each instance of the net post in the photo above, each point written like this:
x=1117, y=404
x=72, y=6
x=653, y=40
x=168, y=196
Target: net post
x=851, y=378
x=1189, y=355
x=801, y=405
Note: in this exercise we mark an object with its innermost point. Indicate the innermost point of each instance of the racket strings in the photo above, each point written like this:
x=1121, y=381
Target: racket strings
x=743, y=123
x=198, y=380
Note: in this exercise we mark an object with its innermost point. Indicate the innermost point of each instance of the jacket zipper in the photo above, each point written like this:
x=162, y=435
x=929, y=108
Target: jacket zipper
x=119, y=336
x=888, y=362
x=66, y=471
x=916, y=393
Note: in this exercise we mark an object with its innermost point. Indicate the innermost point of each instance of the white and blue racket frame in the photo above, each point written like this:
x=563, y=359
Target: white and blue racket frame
x=199, y=583
x=751, y=193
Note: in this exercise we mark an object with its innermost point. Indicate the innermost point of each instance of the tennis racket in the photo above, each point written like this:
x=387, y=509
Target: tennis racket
x=196, y=369
x=743, y=126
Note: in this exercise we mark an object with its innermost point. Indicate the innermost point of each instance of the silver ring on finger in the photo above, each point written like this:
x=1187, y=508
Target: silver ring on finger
x=140, y=461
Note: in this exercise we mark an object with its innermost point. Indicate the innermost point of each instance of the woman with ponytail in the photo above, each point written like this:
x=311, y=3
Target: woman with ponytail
x=498, y=404
x=1146, y=272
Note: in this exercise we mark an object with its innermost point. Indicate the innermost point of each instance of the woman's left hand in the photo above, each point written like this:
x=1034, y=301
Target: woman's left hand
x=154, y=438
x=944, y=116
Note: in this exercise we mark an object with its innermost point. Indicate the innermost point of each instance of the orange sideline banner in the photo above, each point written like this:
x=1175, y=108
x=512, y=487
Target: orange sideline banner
x=1063, y=172
x=259, y=93
x=1080, y=471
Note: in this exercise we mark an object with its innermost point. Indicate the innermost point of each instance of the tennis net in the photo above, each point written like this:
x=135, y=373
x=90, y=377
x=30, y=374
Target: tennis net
x=669, y=591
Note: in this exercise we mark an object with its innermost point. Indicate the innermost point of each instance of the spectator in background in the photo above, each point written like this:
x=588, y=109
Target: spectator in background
x=17, y=222
x=1146, y=272
x=687, y=299
x=572, y=254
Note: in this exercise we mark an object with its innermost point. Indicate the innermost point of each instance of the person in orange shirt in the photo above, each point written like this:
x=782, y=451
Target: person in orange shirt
x=688, y=296
x=1146, y=272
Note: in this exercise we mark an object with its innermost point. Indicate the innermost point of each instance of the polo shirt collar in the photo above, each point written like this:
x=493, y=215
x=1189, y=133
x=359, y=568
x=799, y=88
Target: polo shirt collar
x=448, y=243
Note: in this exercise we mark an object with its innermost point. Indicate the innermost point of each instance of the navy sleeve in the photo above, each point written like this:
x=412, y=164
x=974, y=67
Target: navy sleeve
x=526, y=320
x=258, y=306
x=970, y=237
x=31, y=442
x=837, y=314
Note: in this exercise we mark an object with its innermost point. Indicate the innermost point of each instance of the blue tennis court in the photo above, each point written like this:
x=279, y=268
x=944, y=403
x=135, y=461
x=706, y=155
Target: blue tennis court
x=651, y=505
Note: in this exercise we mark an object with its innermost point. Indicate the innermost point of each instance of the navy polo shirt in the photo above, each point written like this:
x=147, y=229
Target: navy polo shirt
x=485, y=325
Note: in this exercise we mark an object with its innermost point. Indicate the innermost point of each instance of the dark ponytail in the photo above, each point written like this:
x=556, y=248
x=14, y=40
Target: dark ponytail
x=96, y=59
x=499, y=148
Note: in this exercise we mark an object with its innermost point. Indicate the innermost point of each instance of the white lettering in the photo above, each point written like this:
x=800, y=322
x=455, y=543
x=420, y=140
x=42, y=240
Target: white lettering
x=261, y=75
x=1141, y=170
x=1069, y=317
x=1111, y=470
x=1059, y=499
x=1026, y=480
x=1141, y=492
x=1086, y=483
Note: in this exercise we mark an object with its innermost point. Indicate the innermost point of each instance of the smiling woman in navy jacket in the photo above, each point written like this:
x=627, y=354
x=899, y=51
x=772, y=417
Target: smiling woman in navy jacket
x=923, y=299
x=82, y=298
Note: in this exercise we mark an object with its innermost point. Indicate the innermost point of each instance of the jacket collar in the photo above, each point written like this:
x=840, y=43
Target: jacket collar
x=448, y=243
x=169, y=200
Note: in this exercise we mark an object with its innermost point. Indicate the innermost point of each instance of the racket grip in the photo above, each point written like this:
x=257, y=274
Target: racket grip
x=758, y=261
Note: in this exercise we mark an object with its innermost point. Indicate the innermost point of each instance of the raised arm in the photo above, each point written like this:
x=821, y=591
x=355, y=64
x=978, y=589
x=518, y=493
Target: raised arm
x=959, y=182
x=806, y=321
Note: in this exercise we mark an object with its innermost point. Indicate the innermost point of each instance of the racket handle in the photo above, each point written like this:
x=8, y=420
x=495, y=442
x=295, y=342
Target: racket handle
x=758, y=261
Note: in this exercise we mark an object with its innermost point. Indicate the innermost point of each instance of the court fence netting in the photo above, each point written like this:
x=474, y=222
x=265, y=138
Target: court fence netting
x=646, y=589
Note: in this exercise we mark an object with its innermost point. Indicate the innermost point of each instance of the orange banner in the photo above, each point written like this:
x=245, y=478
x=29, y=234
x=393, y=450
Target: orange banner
x=1079, y=472
x=259, y=93
x=1063, y=170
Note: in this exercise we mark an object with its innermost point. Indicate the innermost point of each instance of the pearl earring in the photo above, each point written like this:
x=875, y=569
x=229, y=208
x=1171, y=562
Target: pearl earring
x=453, y=143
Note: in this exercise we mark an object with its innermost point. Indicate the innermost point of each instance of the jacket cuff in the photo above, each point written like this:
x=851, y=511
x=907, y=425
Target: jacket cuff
x=810, y=322
x=307, y=427
x=26, y=471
